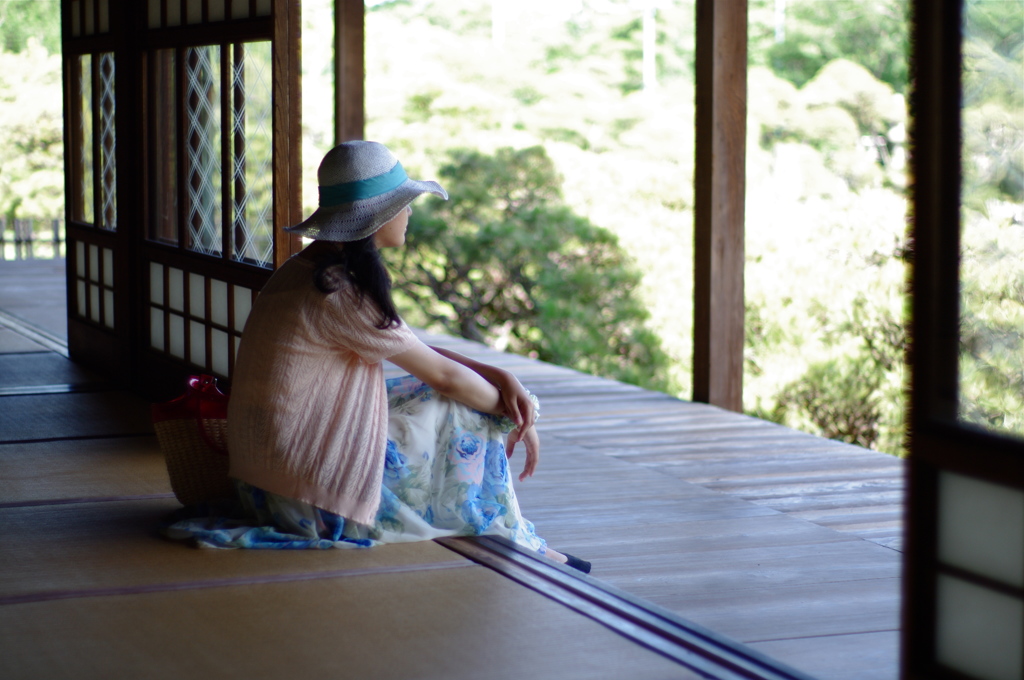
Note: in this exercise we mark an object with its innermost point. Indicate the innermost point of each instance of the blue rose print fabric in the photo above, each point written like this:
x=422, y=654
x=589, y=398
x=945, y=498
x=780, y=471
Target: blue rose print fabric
x=445, y=474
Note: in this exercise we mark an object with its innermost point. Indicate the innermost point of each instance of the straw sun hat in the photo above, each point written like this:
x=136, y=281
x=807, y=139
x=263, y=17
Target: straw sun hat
x=362, y=186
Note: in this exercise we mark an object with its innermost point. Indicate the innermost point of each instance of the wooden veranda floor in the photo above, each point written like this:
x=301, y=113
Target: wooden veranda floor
x=782, y=541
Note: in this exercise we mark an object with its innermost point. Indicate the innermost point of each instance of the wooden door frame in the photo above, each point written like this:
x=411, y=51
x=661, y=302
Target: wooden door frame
x=123, y=352
x=938, y=442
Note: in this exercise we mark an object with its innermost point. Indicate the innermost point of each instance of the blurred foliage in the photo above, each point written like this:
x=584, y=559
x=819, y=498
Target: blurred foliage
x=993, y=103
x=825, y=165
x=992, y=217
x=872, y=33
x=992, y=318
x=32, y=144
x=855, y=396
x=22, y=20
x=508, y=263
x=854, y=121
x=838, y=398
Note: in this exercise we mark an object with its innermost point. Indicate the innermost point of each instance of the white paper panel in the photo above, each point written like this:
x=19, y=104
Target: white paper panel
x=94, y=263
x=108, y=308
x=263, y=8
x=104, y=16
x=216, y=10
x=154, y=14
x=197, y=350
x=173, y=12
x=90, y=17
x=82, y=307
x=219, y=343
x=194, y=11
x=76, y=22
x=156, y=328
x=239, y=10
x=108, y=267
x=243, y=304
x=175, y=289
x=177, y=333
x=80, y=259
x=156, y=283
x=219, y=302
x=981, y=527
x=94, y=302
x=197, y=295
x=979, y=631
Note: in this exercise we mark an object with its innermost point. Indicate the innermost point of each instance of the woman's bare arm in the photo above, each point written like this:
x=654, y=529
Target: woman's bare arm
x=518, y=405
x=462, y=382
x=450, y=378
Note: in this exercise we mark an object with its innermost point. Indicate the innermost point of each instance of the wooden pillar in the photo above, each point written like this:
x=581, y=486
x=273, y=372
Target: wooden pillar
x=287, y=66
x=719, y=182
x=349, y=71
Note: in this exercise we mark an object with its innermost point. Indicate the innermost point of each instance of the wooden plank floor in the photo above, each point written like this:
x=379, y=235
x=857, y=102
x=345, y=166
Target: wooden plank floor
x=781, y=540
x=786, y=542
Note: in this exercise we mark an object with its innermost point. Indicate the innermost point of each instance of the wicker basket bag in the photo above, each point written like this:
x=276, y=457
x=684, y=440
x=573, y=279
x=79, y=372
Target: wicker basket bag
x=193, y=434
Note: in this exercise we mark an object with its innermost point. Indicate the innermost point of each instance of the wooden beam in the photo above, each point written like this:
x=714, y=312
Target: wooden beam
x=349, y=71
x=719, y=184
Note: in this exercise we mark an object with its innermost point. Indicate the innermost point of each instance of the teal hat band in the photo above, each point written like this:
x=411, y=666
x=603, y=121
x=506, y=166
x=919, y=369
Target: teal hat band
x=346, y=192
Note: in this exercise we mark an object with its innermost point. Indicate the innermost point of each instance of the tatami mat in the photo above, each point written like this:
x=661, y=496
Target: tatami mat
x=61, y=416
x=467, y=624
x=59, y=471
x=43, y=368
x=61, y=551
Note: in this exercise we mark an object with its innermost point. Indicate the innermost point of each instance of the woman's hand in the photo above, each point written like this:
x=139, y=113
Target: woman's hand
x=517, y=402
x=514, y=400
x=532, y=442
x=511, y=398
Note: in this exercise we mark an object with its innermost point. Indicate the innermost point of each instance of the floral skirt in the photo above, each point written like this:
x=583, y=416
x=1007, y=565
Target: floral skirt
x=445, y=474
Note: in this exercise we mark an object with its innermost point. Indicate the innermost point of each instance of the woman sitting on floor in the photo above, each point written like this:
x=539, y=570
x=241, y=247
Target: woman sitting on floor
x=326, y=453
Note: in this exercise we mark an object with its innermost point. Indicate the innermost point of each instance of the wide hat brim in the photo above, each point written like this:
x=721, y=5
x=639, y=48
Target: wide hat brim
x=362, y=218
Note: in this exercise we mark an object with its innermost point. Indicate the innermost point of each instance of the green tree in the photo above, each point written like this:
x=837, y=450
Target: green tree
x=24, y=19
x=992, y=318
x=993, y=101
x=992, y=238
x=507, y=263
x=31, y=147
x=854, y=394
x=838, y=398
x=870, y=32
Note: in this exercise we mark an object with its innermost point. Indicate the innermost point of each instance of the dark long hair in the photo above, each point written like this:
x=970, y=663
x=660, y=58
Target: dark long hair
x=359, y=262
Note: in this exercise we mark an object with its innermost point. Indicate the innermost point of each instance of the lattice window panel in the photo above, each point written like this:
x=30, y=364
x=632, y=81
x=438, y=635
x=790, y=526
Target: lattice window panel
x=93, y=144
x=93, y=277
x=252, y=170
x=107, y=145
x=227, y=151
x=84, y=144
x=196, y=318
x=202, y=149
